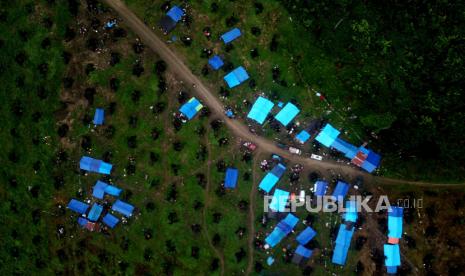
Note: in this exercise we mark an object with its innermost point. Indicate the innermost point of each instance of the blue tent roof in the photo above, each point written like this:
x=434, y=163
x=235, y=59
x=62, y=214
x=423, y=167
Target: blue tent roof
x=112, y=190
x=82, y=221
x=303, y=251
x=341, y=190
x=231, y=35
x=396, y=211
x=327, y=135
x=391, y=269
x=215, y=62
x=236, y=77
x=283, y=228
x=320, y=188
x=99, y=116
x=101, y=188
x=123, y=208
x=230, y=179
x=395, y=222
x=392, y=254
x=372, y=162
x=95, y=212
x=110, y=220
x=175, y=13
x=287, y=114
x=278, y=170
x=279, y=200
x=348, y=149
x=272, y=178
x=260, y=110
x=191, y=108
x=342, y=245
x=78, y=206
x=269, y=260
x=94, y=165
x=351, y=211
x=303, y=136
x=305, y=236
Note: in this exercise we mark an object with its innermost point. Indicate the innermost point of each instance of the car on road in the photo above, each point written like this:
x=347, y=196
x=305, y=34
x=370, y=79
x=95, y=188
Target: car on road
x=250, y=146
x=295, y=151
x=316, y=157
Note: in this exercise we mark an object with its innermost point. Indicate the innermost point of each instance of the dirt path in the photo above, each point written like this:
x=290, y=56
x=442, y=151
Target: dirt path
x=251, y=222
x=203, y=92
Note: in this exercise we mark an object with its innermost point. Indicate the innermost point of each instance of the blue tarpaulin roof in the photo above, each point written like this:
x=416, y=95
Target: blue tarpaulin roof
x=112, y=190
x=320, y=188
x=392, y=254
x=215, y=62
x=272, y=178
x=303, y=251
x=82, y=221
x=279, y=200
x=270, y=260
x=231, y=35
x=94, y=165
x=78, y=206
x=305, y=236
x=346, y=148
x=303, y=136
x=283, y=228
x=327, y=135
x=236, y=77
x=230, y=179
x=342, y=245
x=191, y=108
x=110, y=220
x=101, y=188
x=391, y=269
x=287, y=114
x=372, y=162
x=95, y=212
x=99, y=116
x=123, y=208
x=341, y=190
x=351, y=211
x=175, y=13
x=260, y=110
x=395, y=222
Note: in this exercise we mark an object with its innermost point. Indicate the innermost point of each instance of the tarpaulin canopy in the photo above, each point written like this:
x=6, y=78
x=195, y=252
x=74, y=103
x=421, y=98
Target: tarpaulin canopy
x=320, y=187
x=78, y=206
x=303, y=136
x=395, y=222
x=303, y=251
x=327, y=135
x=175, y=13
x=95, y=212
x=287, y=114
x=343, y=239
x=272, y=178
x=283, y=228
x=305, y=236
x=110, y=220
x=231, y=35
x=392, y=254
x=94, y=165
x=101, y=188
x=236, y=77
x=99, y=116
x=191, y=108
x=230, y=179
x=215, y=62
x=351, y=212
x=279, y=200
x=340, y=191
x=346, y=148
x=260, y=110
x=123, y=208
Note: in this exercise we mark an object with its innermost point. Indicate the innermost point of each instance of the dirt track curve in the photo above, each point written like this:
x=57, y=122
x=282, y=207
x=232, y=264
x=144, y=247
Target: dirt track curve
x=150, y=38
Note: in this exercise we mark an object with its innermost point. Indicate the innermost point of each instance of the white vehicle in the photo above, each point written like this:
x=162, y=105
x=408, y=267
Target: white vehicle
x=316, y=157
x=295, y=150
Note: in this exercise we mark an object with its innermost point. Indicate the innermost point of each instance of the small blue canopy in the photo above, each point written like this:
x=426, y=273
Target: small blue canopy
x=351, y=212
x=303, y=136
x=231, y=35
x=272, y=178
x=110, y=220
x=340, y=191
x=287, y=114
x=215, y=62
x=82, y=221
x=320, y=187
x=230, y=179
x=327, y=135
x=95, y=212
x=191, y=108
x=303, y=251
x=392, y=254
x=305, y=236
x=260, y=110
x=78, y=206
x=101, y=188
x=278, y=170
x=395, y=222
x=94, y=165
x=372, y=162
x=346, y=148
x=343, y=239
x=236, y=77
x=283, y=228
x=99, y=116
x=123, y=208
x=269, y=260
x=175, y=13
x=279, y=200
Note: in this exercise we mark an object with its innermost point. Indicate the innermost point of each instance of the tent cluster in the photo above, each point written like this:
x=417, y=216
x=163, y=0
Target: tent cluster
x=172, y=17
x=262, y=107
x=89, y=220
x=391, y=249
x=345, y=233
x=281, y=230
x=94, y=165
x=190, y=108
x=359, y=156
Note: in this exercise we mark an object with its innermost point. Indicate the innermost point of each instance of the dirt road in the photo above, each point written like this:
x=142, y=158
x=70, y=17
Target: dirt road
x=203, y=92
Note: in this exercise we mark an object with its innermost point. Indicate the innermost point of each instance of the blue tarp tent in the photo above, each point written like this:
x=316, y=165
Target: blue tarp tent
x=95, y=212
x=395, y=222
x=236, y=77
x=287, y=114
x=191, y=108
x=303, y=251
x=215, y=62
x=372, y=162
x=346, y=148
x=78, y=206
x=303, y=136
x=279, y=200
x=112, y=190
x=82, y=221
x=327, y=135
x=99, y=116
x=305, y=236
x=272, y=178
x=175, y=13
x=230, y=179
x=260, y=110
x=320, y=188
x=94, y=165
x=123, y=208
x=283, y=228
x=231, y=35
x=110, y=220
x=101, y=188
x=392, y=254
x=340, y=191
x=351, y=212
x=269, y=260
x=342, y=245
